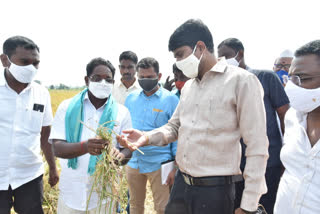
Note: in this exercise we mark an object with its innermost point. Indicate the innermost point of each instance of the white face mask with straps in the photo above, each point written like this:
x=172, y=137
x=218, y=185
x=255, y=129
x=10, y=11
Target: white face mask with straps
x=301, y=99
x=233, y=61
x=23, y=74
x=190, y=65
x=100, y=90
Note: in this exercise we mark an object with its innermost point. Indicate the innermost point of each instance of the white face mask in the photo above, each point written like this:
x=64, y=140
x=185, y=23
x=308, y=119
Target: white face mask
x=233, y=61
x=189, y=66
x=24, y=74
x=301, y=99
x=100, y=90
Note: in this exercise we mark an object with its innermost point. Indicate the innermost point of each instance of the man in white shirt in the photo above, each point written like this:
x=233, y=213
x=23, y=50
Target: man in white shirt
x=96, y=106
x=25, y=119
x=299, y=188
x=128, y=61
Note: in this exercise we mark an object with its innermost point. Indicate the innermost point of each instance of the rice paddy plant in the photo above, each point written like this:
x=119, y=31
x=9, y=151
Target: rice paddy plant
x=109, y=180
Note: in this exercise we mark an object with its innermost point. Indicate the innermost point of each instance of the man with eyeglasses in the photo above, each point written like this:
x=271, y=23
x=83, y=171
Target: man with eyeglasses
x=78, y=147
x=299, y=188
x=282, y=65
x=128, y=61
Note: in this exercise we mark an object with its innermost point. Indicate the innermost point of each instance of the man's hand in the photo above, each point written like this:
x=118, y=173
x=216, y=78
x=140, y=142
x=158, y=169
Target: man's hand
x=134, y=140
x=94, y=146
x=169, y=84
x=53, y=177
x=117, y=154
x=170, y=178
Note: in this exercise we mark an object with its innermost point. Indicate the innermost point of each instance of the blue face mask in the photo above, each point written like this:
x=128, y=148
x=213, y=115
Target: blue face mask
x=282, y=73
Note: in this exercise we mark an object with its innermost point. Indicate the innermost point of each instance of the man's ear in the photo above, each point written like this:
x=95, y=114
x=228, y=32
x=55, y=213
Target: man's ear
x=86, y=79
x=201, y=46
x=159, y=76
x=5, y=60
x=240, y=55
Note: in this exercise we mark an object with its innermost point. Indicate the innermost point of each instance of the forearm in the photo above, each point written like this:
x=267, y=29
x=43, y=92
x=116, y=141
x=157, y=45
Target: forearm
x=164, y=135
x=46, y=148
x=255, y=184
x=62, y=149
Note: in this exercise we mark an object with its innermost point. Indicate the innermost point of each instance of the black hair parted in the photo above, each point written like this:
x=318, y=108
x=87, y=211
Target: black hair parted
x=12, y=43
x=189, y=33
x=148, y=62
x=312, y=47
x=233, y=43
x=99, y=61
x=128, y=55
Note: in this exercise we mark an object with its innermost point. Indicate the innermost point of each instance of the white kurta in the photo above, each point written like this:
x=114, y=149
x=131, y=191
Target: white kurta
x=299, y=188
x=75, y=184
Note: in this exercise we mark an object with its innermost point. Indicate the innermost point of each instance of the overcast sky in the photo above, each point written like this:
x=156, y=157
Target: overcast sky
x=72, y=32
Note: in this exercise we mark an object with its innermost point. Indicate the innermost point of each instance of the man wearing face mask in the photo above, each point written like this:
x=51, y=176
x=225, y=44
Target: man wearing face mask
x=276, y=104
x=150, y=108
x=216, y=108
x=78, y=147
x=282, y=65
x=178, y=80
x=299, y=188
x=128, y=83
x=25, y=119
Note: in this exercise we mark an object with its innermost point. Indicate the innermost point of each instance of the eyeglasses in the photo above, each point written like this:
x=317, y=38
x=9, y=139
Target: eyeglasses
x=298, y=80
x=280, y=66
x=97, y=78
x=129, y=67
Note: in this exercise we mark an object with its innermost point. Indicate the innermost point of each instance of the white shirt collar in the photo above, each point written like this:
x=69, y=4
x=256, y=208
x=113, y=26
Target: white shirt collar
x=220, y=66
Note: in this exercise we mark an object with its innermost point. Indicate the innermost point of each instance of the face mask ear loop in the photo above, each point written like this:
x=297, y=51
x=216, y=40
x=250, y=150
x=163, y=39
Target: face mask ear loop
x=202, y=54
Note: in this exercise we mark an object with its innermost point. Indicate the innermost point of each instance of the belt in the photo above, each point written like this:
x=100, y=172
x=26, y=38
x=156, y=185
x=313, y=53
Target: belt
x=210, y=181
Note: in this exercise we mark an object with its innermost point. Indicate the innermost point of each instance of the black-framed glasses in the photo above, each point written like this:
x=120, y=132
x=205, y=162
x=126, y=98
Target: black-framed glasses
x=280, y=66
x=97, y=78
x=129, y=67
x=298, y=80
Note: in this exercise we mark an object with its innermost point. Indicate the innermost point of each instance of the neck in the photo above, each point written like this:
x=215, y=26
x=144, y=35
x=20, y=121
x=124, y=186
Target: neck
x=148, y=94
x=13, y=83
x=315, y=113
x=96, y=102
x=242, y=64
x=211, y=61
x=128, y=83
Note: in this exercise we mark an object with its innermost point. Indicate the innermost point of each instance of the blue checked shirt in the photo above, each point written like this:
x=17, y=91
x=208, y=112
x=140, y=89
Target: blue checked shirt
x=148, y=113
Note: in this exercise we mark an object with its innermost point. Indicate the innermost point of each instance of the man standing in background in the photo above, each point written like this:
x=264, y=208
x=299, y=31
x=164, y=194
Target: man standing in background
x=150, y=108
x=128, y=61
x=282, y=65
x=276, y=104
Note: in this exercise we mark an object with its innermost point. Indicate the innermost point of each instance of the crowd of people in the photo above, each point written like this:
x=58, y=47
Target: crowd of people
x=242, y=140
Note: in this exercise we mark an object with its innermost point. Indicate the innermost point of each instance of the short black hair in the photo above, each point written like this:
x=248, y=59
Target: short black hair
x=128, y=55
x=11, y=44
x=99, y=61
x=312, y=47
x=233, y=43
x=189, y=33
x=148, y=62
x=175, y=68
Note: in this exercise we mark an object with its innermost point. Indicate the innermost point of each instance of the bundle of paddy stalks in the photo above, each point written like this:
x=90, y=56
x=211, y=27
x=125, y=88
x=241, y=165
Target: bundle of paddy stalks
x=109, y=180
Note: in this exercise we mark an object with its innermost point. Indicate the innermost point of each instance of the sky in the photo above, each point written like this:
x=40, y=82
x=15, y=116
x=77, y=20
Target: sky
x=72, y=32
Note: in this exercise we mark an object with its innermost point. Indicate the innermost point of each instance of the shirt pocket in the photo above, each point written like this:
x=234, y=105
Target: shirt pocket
x=33, y=121
x=158, y=118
